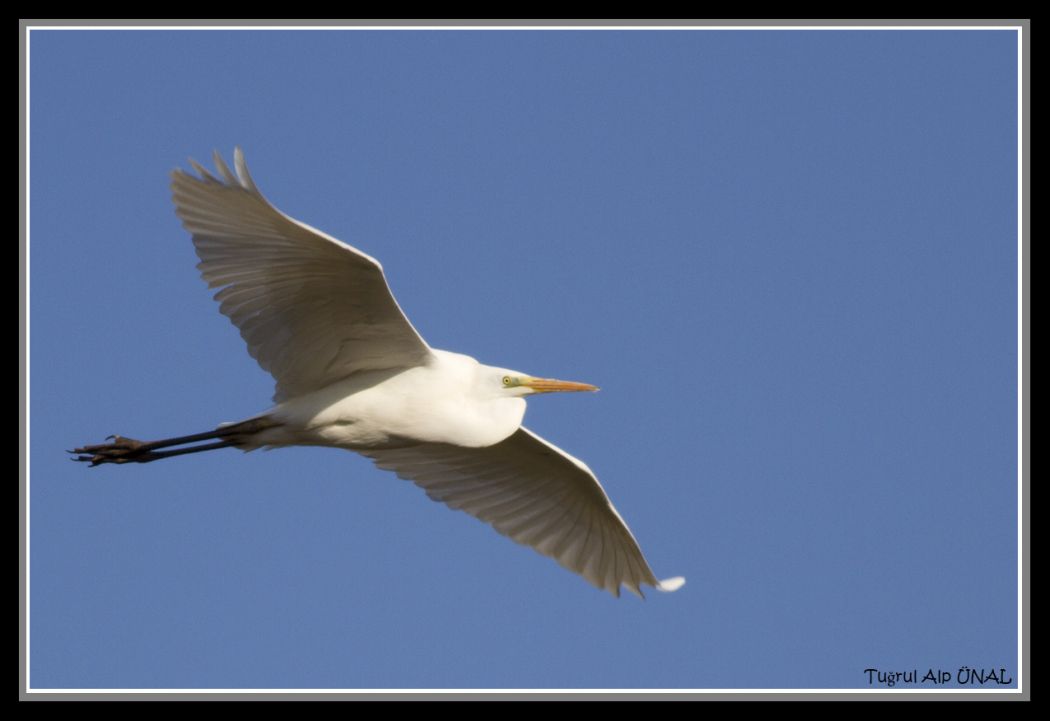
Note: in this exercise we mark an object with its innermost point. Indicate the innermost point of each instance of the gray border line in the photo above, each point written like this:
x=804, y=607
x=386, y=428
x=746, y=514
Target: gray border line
x=1024, y=27
x=23, y=427
x=1025, y=195
x=541, y=23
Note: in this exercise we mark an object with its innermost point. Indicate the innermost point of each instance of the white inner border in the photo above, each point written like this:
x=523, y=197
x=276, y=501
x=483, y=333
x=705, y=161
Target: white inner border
x=1021, y=389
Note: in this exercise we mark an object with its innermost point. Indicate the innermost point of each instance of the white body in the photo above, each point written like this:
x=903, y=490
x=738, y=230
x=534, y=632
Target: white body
x=436, y=402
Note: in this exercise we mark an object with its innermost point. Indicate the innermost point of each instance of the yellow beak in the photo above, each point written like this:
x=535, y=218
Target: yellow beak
x=549, y=385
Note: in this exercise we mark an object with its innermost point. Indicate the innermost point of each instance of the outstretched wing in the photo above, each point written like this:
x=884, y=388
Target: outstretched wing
x=536, y=494
x=312, y=309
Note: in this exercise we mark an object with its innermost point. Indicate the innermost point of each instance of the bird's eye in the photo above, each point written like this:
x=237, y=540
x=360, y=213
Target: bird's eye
x=506, y=380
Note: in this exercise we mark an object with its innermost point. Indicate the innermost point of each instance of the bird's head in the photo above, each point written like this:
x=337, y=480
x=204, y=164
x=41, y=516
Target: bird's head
x=515, y=384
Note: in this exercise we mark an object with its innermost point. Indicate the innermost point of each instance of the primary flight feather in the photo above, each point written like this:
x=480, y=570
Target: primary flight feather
x=352, y=372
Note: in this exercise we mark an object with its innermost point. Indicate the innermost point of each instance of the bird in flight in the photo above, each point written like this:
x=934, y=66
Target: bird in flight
x=353, y=373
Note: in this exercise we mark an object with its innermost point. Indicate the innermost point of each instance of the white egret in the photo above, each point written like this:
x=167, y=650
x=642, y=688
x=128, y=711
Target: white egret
x=352, y=372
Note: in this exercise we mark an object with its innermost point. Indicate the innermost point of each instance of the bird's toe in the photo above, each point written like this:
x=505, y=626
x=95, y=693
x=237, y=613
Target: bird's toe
x=119, y=450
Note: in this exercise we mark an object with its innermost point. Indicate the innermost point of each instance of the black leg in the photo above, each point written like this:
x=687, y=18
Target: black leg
x=104, y=455
x=129, y=450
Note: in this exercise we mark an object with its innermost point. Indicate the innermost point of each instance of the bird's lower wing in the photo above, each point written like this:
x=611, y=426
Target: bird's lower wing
x=312, y=309
x=536, y=494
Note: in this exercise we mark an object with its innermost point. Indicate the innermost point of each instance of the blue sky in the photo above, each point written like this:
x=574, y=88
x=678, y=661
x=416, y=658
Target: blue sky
x=788, y=258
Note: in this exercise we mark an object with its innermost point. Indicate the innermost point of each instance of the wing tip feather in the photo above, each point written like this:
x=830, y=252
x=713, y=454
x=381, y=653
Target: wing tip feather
x=670, y=585
x=241, y=167
x=224, y=169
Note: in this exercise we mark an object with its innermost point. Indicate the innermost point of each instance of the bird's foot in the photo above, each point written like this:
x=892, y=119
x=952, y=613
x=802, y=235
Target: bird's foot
x=121, y=450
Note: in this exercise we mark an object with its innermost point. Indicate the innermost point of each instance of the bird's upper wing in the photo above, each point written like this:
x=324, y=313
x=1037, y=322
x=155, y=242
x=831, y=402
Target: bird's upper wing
x=536, y=494
x=312, y=309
